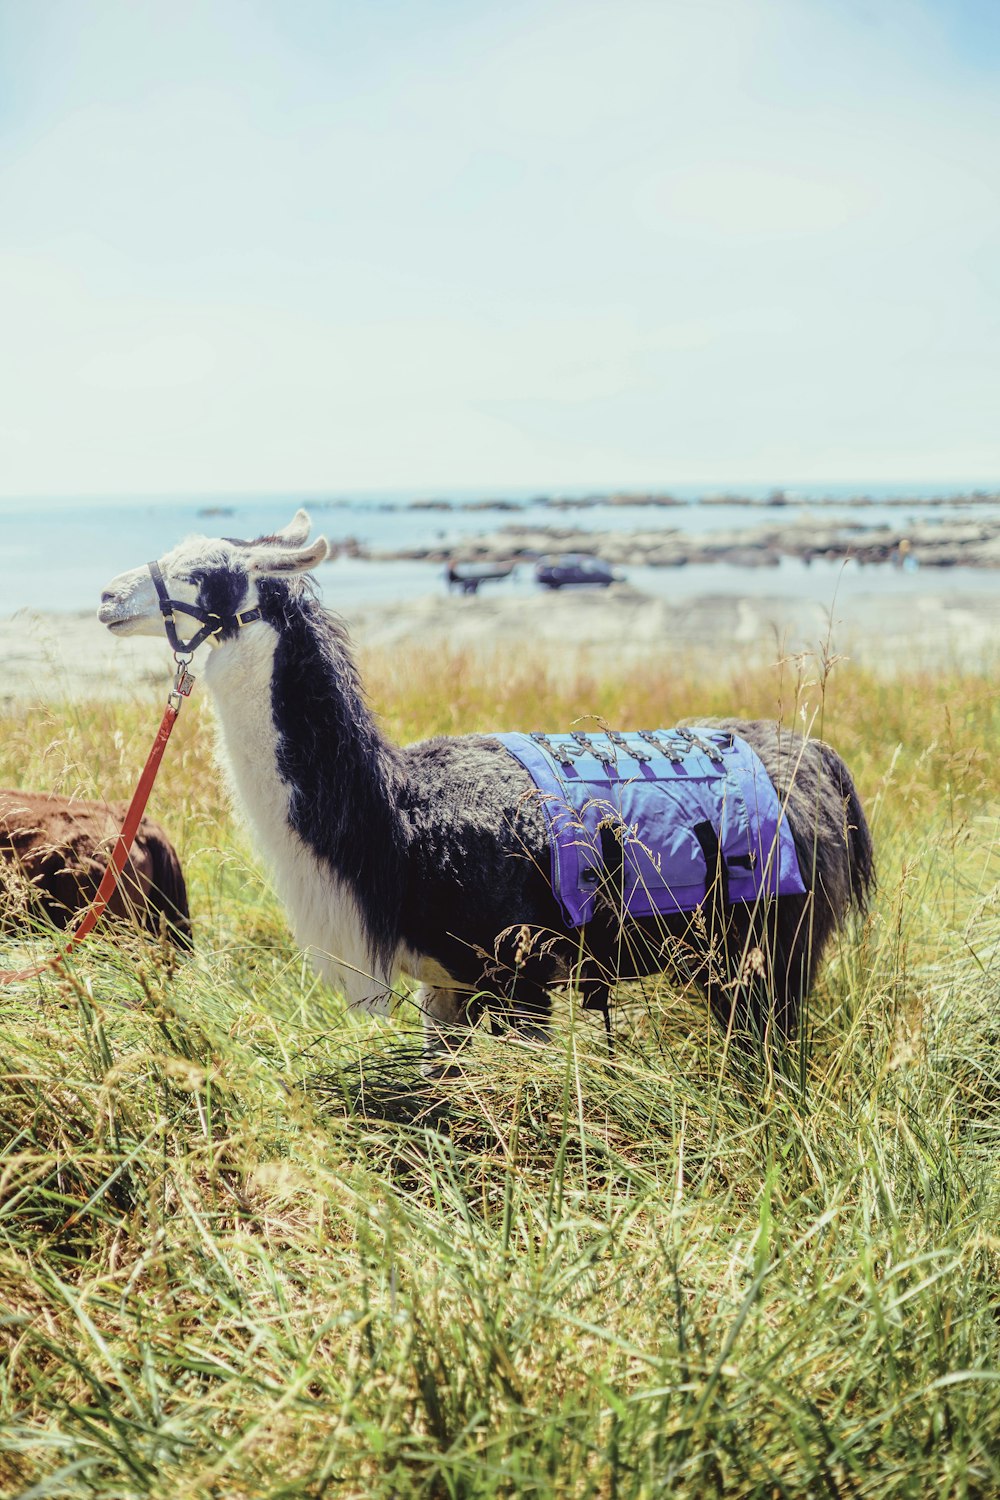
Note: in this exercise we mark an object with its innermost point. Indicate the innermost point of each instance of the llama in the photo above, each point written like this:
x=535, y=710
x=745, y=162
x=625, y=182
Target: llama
x=55, y=850
x=432, y=859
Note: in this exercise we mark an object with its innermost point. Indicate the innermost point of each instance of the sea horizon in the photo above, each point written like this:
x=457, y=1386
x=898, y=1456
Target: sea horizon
x=813, y=491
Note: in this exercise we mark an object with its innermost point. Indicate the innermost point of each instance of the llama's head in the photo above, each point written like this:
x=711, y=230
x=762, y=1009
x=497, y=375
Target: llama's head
x=216, y=577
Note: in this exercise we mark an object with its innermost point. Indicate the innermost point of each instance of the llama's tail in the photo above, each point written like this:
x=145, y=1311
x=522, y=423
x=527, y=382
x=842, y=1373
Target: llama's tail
x=857, y=835
x=168, y=898
x=862, y=851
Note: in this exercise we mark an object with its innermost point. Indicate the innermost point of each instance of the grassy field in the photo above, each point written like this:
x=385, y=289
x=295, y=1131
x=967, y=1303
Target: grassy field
x=232, y=1263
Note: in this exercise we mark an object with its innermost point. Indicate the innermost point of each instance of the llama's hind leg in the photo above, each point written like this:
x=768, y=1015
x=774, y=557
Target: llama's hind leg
x=530, y=1011
x=765, y=969
x=445, y=1016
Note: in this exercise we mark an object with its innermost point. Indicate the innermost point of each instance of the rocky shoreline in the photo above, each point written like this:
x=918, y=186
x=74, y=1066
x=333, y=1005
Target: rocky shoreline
x=661, y=499
x=960, y=543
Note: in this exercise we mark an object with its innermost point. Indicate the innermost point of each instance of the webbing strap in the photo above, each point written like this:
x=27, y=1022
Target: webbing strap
x=208, y=630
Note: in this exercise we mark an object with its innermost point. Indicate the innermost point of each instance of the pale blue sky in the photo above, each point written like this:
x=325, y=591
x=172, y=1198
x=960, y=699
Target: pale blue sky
x=264, y=246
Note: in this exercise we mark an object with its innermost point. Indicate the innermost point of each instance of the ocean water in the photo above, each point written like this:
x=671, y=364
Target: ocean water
x=57, y=556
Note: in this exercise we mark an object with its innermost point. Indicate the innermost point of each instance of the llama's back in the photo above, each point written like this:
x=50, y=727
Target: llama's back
x=462, y=786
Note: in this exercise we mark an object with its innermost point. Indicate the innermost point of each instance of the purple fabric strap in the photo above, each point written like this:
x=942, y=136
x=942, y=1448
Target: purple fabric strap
x=658, y=817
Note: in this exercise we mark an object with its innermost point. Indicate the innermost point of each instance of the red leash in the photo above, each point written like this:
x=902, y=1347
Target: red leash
x=183, y=683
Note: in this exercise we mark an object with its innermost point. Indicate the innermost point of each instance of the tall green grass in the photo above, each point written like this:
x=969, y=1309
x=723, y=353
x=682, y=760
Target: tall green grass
x=245, y=1250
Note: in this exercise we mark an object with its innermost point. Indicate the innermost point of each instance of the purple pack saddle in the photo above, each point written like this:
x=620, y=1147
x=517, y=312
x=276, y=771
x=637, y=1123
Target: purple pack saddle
x=659, y=817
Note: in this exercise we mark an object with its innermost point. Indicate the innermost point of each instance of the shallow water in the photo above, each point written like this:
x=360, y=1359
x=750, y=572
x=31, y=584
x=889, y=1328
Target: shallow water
x=348, y=584
x=59, y=556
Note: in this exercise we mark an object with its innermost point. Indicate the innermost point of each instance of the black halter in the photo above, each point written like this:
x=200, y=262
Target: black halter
x=206, y=616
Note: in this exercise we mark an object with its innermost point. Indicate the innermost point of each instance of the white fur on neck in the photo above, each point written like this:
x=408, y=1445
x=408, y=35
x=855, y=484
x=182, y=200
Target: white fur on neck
x=324, y=913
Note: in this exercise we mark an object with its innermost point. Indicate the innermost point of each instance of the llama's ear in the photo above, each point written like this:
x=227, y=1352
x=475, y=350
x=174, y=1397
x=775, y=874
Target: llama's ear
x=273, y=559
x=296, y=533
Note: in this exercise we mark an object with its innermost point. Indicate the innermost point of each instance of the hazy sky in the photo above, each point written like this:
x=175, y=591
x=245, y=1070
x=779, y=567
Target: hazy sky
x=285, y=244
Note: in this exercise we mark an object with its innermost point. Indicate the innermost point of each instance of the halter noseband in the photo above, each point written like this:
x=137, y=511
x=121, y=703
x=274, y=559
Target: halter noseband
x=206, y=616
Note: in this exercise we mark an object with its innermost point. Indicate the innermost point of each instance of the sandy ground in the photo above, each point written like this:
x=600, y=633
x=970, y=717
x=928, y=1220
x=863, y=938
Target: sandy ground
x=68, y=656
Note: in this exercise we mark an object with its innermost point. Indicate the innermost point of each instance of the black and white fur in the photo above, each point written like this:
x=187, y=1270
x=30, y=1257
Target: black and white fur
x=432, y=859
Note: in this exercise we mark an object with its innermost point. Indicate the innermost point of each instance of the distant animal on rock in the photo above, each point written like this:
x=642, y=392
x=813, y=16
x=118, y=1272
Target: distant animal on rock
x=55, y=850
x=436, y=859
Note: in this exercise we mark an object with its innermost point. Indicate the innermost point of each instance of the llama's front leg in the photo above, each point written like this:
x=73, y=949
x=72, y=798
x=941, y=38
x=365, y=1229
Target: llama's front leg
x=446, y=1026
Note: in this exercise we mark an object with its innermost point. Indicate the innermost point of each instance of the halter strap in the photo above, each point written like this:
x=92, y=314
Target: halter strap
x=169, y=606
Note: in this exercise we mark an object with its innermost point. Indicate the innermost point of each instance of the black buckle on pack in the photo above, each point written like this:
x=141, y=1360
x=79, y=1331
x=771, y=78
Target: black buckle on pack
x=716, y=870
x=636, y=752
x=564, y=754
x=603, y=753
x=587, y=747
x=697, y=743
x=662, y=746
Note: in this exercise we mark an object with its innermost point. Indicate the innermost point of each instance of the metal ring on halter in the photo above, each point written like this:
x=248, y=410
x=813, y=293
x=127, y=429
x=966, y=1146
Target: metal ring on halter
x=206, y=616
x=167, y=608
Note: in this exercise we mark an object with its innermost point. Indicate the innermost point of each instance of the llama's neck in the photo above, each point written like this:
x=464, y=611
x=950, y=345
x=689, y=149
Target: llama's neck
x=317, y=784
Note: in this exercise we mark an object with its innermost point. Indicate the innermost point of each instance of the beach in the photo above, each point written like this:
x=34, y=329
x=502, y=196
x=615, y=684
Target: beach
x=49, y=656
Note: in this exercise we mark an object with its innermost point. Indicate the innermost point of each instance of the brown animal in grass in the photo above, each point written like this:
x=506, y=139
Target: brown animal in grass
x=54, y=851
